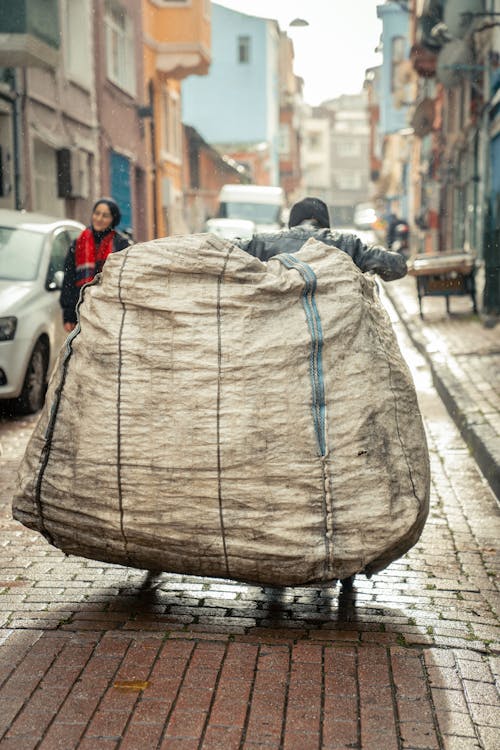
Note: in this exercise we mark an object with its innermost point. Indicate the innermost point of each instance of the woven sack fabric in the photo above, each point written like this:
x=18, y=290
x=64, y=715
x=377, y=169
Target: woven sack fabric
x=216, y=415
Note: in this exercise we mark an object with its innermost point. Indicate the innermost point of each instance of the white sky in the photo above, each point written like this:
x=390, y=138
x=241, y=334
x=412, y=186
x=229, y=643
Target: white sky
x=333, y=52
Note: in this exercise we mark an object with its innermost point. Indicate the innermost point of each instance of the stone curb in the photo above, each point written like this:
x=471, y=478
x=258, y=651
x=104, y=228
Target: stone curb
x=479, y=436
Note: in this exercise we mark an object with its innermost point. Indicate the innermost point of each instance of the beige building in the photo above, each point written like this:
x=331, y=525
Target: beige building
x=48, y=110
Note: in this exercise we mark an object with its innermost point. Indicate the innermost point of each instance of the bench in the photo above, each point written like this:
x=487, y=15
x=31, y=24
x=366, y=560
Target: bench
x=444, y=275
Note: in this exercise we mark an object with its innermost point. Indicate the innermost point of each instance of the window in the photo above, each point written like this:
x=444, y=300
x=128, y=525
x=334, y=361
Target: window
x=46, y=199
x=119, y=48
x=284, y=140
x=171, y=119
x=60, y=246
x=77, y=46
x=348, y=180
x=243, y=49
x=314, y=141
x=397, y=57
x=194, y=166
x=349, y=148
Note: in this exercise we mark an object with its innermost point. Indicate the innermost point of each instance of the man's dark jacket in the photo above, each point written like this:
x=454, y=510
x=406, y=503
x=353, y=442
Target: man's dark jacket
x=374, y=258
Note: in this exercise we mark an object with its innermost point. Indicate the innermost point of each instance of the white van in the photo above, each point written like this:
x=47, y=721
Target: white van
x=262, y=204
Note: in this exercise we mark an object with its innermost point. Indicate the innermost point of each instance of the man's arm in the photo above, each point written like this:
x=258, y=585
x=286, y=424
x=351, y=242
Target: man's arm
x=255, y=247
x=372, y=258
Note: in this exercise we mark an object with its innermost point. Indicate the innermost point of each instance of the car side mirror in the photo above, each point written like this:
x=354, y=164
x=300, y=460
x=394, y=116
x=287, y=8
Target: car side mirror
x=57, y=281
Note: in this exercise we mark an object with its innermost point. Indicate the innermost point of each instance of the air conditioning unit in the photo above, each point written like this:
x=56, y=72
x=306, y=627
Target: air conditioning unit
x=72, y=173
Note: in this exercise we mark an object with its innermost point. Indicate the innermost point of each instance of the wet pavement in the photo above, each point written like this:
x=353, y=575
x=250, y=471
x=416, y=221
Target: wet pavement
x=463, y=352
x=96, y=656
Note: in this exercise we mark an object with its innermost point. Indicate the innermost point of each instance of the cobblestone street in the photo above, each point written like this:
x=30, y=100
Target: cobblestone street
x=100, y=657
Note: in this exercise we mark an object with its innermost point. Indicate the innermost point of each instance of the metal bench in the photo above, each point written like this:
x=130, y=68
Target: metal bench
x=444, y=275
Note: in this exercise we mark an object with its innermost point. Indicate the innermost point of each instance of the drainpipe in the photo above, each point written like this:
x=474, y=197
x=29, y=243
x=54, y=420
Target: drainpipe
x=14, y=98
x=18, y=132
x=491, y=251
x=152, y=132
x=475, y=199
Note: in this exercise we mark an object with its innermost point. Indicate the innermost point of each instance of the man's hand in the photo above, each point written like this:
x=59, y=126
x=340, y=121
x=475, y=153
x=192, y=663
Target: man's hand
x=69, y=327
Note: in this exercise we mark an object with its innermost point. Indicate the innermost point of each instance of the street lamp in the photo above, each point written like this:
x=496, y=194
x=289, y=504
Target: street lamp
x=299, y=22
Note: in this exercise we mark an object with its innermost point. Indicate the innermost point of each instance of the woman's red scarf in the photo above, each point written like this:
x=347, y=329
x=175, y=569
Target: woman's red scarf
x=89, y=259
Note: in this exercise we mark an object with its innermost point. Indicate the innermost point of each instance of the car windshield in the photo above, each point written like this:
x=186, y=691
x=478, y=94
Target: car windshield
x=260, y=213
x=20, y=253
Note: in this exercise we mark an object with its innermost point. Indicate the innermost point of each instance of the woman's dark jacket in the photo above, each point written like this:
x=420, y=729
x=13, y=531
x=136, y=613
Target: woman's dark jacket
x=70, y=292
x=374, y=258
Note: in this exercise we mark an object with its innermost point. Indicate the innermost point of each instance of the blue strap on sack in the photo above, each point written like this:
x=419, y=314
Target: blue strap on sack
x=315, y=329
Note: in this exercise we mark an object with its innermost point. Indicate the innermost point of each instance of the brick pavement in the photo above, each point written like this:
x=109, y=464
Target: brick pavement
x=97, y=657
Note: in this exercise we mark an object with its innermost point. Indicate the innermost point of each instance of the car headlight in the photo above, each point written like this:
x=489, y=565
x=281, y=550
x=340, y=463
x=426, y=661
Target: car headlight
x=8, y=328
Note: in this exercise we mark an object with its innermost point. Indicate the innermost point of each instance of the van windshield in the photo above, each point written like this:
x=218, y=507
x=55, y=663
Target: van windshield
x=260, y=213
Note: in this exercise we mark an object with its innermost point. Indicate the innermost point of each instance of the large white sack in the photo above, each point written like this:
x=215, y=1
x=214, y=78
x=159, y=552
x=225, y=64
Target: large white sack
x=221, y=416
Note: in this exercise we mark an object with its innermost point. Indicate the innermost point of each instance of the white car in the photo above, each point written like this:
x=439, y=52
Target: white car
x=32, y=252
x=231, y=229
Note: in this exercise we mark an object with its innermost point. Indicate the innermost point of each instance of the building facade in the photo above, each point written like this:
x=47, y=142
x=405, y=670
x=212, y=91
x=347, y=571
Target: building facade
x=292, y=113
x=119, y=86
x=394, y=99
x=177, y=45
x=236, y=106
x=48, y=108
x=445, y=164
x=349, y=155
x=205, y=171
x=316, y=154
x=91, y=102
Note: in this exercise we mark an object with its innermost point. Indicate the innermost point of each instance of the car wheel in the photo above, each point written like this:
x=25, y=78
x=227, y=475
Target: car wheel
x=32, y=395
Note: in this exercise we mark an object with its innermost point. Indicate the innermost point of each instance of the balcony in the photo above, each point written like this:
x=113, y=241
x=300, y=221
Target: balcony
x=178, y=38
x=29, y=33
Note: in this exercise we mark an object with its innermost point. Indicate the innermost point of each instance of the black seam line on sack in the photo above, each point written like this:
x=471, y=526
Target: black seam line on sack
x=118, y=412
x=54, y=410
x=220, y=281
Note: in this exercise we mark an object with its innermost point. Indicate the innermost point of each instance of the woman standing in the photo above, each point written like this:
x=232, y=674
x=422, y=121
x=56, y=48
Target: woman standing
x=87, y=254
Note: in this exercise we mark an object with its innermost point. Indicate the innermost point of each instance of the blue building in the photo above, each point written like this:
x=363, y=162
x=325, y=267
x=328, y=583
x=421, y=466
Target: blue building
x=393, y=112
x=237, y=104
x=396, y=48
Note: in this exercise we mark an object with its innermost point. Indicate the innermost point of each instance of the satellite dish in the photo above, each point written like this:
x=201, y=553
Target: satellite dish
x=453, y=62
x=459, y=16
x=423, y=118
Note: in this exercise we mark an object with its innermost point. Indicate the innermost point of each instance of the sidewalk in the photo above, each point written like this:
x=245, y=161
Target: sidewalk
x=464, y=357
